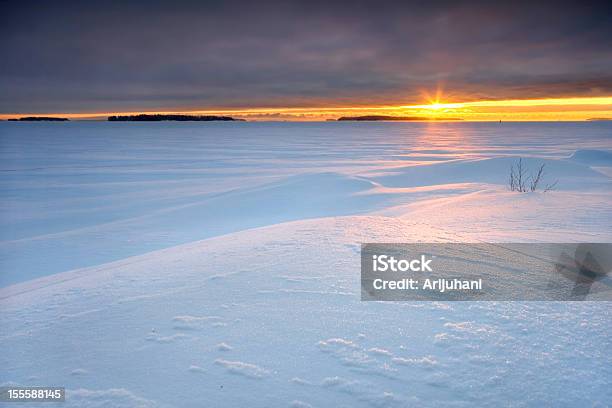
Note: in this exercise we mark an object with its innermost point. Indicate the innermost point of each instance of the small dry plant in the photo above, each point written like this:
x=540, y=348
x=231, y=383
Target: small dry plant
x=521, y=181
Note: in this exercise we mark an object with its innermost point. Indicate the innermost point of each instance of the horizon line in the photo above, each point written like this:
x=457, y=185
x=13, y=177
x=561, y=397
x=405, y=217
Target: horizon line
x=483, y=110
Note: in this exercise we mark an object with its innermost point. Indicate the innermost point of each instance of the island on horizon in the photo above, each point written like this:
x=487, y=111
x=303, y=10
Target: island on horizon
x=394, y=118
x=38, y=119
x=160, y=117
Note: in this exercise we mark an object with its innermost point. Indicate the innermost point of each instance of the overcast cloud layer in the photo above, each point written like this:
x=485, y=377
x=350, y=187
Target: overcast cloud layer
x=110, y=56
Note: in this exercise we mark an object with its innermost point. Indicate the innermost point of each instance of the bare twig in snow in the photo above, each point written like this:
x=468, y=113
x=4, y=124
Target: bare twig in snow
x=519, y=180
x=536, y=180
x=551, y=186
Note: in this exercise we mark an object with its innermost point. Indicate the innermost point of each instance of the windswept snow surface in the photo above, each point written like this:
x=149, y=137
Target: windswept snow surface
x=217, y=264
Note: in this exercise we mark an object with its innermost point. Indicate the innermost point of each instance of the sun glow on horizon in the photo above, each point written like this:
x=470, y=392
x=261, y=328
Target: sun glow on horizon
x=547, y=109
x=602, y=100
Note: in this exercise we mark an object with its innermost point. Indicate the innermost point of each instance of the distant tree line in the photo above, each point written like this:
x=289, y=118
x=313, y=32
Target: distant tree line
x=38, y=119
x=160, y=117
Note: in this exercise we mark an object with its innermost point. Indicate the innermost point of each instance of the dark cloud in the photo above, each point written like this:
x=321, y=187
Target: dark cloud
x=128, y=55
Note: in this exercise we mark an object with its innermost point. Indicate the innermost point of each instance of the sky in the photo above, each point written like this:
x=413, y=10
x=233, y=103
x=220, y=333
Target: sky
x=306, y=59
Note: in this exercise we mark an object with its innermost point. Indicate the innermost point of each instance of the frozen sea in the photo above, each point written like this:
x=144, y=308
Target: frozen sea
x=84, y=193
x=188, y=264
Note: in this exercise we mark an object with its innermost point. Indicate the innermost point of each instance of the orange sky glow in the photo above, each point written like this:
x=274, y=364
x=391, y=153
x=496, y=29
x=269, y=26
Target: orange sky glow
x=552, y=109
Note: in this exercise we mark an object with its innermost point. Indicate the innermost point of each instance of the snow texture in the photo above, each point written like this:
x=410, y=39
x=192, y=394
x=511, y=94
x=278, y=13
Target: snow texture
x=217, y=264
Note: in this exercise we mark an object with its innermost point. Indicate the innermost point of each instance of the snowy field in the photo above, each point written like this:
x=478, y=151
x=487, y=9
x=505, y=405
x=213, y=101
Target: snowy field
x=190, y=264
